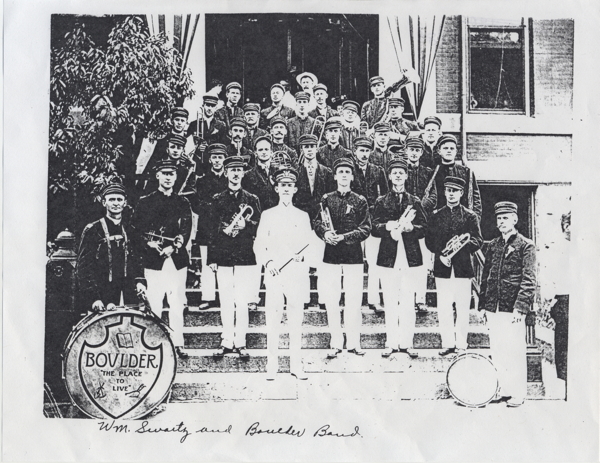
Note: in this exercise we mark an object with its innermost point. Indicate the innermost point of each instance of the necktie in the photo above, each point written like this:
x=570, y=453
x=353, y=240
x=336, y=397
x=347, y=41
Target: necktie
x=310, y=170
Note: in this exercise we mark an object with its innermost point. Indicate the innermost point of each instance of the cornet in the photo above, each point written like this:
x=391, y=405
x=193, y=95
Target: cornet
x=455, y=244
x=322, y=120
x=326, y=218
x=245, y=213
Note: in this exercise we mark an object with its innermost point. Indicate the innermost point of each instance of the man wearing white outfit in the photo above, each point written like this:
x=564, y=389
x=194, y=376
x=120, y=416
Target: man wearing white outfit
x=284, y=240
x=399, y=220
x=163, y=220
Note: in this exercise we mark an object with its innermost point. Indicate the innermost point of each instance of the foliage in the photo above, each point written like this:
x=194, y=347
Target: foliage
x=101, y=99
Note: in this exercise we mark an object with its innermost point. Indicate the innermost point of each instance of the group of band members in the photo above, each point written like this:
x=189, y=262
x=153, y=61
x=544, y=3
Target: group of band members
x=286, y=191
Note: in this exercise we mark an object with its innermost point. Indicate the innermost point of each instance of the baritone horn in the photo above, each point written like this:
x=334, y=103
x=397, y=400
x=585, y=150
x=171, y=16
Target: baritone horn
x=455, y=244
x=246, y=211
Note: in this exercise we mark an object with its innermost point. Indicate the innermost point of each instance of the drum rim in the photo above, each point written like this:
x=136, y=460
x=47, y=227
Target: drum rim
x=98, y=316
x=474, y=355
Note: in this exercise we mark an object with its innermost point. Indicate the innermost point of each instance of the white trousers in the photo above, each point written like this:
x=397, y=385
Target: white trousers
x=400, y=317
x=293, y=284
x=171, y=282
x=208, y=279
x=423, y=271
x=330, y=288
x=458, y=291
x=236, y=289
x=509, y=353
x=371, y=249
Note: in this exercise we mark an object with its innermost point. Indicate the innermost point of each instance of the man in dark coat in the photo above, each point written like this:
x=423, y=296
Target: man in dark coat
x=233, y=92
x=251, y=116
x=332, y=150
x=350, y=124
x=453, y=274
x=314, y=179
x=471, y=198
x=322, y=109
x=369, y=181
x=211, y=183
x=107, y=265
x=277, y=108
x=431, y=134
x=207, y=129
x=235, y=216
x=302, y=123
x=343, y=225
x=278, y=132
x=374, y=110
x=163, y=222
x=400, y=128
x=238, y=131
x=258, y=180
x=508, y=288
x=381, y=137
x=399, y=221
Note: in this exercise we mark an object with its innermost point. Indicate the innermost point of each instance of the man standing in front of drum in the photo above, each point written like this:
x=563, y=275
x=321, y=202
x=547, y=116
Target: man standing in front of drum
x=163, y=222
x=507, y=291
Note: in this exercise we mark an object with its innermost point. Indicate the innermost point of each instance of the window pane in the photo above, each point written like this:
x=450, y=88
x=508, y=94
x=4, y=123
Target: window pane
x=497, y=69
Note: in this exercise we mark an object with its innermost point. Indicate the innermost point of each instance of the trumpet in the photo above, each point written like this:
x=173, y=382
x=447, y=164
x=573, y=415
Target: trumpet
x=455, y=244
x=326, y=219
x=246, y=211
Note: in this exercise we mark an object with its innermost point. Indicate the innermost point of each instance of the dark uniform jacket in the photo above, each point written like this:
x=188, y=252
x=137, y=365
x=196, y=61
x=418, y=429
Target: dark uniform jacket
x=350, y=217
x=284, y=112
x=105, y=267
x=225, y=114
x=207, y=186
x=327, y=156
x=164, y=215
x=217, y=132
x=244, y=152
x=252, y=135
x=185, y=184
x=371, y=184
x=329, y=112
x=229, y=251
x=291, y=152
x=324, y=183
x=471, y=198
x=509, y=275
x=348, y=136
x=419, y=183
x=391, y=207
x=380, y=157
x=445, y=224
x=258, y=182
x=431, y=155
x=373, y=111
x=298, y=127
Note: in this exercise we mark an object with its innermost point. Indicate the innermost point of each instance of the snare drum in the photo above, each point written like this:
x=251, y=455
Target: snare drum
x=472, y=380
x=119, y=364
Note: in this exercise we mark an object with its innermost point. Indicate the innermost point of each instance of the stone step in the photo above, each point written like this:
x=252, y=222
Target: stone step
x=321, y=340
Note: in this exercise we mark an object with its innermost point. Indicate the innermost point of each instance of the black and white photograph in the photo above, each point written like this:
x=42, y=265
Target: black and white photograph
x=301, y=233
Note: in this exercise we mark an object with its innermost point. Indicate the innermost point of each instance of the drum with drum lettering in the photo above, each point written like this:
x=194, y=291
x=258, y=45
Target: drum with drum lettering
x=472, y=380
x=119, y=364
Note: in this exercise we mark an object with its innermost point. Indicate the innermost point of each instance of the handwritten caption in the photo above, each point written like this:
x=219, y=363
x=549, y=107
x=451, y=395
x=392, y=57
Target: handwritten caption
x=182, y=431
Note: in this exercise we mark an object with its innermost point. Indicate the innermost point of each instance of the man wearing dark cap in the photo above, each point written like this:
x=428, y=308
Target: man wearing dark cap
x=374, y=110
x=163, y=221
x=234, y=218
x=453, y=273
x=471, y=199
x=332, y=150
x=107, y=265
x=400, y=127
x=381, y=137
x=322, y=109
x=399, y=221
x=258, y=180
x=207, y=129
x=233, y=92
x=277, y=107
x=284, y=243
x=350, y=124
x=212, y=182
x=307, y=80
x=314, y=179
x=237, y=133
x=343, y=224
x=278, y=127
x=302, y=123
x=369, y=181
x=431, y=134
x=251, y=116
x=507, y=292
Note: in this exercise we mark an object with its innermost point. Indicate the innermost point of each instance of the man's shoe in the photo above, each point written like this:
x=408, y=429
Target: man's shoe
x=450, y=350
x=299, y=375
x=333, y=353
x=377, y=308
x=357, y=352
x=410, y=352
x=242, y=352
x=388, y=352
x=514, y=404
x=223, y=351
x=180, y=353
x=499, y=399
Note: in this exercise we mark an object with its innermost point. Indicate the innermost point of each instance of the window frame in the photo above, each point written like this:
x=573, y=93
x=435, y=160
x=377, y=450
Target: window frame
x=524, y=29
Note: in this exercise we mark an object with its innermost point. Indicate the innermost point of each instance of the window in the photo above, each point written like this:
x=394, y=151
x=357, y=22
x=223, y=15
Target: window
x=497, y=69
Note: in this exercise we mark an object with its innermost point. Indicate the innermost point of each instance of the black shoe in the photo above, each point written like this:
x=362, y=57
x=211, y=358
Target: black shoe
x=500, y=399
x=450, y=350
x=300, y=376
x=410, y=352
x=334, y=353
x=322, y=307
x=357, y=352
x=181, y=354
x=377, y=308
x=242, y=352
x=223, y=351
x=388, y=353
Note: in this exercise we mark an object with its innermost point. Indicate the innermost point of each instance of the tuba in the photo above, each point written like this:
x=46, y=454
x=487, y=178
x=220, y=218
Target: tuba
x=244, y=213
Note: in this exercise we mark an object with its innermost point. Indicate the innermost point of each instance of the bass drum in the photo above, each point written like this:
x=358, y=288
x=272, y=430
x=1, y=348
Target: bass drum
x=119, y=364
x=472, y=380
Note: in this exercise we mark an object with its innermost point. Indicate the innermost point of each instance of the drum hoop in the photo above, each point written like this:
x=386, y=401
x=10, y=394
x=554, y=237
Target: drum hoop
x=462, y=357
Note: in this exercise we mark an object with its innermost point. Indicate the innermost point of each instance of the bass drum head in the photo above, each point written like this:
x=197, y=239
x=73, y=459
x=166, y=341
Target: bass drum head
x=472, y=380
x=119, y=364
